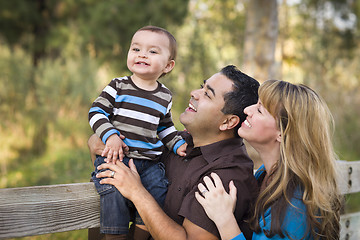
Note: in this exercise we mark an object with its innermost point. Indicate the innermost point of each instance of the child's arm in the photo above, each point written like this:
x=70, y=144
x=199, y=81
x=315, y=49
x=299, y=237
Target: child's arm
x=114, y=149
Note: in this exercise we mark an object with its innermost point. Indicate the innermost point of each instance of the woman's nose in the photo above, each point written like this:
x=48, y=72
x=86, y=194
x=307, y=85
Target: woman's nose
x=248, y=110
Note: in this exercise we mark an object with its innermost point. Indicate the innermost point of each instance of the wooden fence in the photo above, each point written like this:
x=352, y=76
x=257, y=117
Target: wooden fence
x=30, y=211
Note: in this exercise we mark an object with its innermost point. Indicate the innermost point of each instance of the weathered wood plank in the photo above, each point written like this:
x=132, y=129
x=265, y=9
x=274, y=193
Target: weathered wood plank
x=350, y=226
x=348, y=176
x=47, y=209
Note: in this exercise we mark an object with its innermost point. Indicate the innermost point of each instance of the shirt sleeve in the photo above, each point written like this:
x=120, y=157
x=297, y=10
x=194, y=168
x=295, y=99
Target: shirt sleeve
x=101, y=111
x=167, y=132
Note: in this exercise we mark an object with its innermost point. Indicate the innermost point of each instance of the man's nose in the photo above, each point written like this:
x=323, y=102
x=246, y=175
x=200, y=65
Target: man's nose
x=195, y=93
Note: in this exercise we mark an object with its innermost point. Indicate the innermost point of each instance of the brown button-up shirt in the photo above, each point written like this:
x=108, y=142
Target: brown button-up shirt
x=227, y=158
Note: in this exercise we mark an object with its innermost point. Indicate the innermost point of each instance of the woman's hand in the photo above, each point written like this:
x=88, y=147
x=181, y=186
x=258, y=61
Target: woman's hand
x=126, y=180
x=219, y=205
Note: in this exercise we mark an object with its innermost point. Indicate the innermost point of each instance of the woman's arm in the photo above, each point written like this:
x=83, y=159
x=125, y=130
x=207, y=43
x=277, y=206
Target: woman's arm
x=219, y=205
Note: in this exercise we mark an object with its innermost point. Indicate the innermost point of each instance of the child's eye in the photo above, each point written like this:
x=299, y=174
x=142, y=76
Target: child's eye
x=153, y=51
x=136, y=49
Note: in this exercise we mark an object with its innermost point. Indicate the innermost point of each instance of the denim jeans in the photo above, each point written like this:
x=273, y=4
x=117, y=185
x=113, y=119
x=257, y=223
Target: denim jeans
x=115, y=210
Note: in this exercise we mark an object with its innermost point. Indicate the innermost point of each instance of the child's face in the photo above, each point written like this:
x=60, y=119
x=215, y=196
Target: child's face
x=149, y=54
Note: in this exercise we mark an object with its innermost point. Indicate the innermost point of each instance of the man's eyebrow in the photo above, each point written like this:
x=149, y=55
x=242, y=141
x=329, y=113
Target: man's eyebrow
x=210, y=88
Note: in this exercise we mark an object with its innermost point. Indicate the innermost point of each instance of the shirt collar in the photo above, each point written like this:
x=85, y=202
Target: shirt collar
x=213, y=151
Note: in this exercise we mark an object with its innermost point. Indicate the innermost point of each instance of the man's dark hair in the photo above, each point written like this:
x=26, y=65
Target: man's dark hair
x=244, y=94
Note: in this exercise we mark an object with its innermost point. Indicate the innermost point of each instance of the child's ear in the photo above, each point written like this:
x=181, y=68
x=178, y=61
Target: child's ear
x=229, y=122
x=169, y=66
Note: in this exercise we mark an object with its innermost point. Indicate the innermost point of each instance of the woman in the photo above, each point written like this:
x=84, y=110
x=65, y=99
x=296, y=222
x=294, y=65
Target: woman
x=290, y=128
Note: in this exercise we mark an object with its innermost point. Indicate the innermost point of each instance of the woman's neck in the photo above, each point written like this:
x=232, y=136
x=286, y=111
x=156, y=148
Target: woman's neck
x=269, y=155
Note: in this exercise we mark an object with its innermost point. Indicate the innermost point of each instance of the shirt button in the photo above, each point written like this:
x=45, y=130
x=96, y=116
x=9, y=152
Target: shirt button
x=179, y=189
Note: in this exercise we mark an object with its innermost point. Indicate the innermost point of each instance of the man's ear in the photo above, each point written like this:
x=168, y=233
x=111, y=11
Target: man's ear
x=169, y=66
x=230, y=122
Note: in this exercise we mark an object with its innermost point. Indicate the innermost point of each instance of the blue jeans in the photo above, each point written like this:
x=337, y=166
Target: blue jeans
x=115, y=210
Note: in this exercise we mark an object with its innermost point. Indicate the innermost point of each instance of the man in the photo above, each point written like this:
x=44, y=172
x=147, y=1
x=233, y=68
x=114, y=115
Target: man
x=214, y=114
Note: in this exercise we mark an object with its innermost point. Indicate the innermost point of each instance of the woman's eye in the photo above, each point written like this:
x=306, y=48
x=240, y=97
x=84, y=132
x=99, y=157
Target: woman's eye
x=259, y=110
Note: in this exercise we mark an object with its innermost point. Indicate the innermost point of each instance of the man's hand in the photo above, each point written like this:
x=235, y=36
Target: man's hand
x=126, y=180
x=181, y=151
x=114, y=149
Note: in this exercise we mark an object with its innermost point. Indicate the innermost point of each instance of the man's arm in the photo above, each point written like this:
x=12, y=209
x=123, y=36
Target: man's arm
x=96, y=146
x=160, y=226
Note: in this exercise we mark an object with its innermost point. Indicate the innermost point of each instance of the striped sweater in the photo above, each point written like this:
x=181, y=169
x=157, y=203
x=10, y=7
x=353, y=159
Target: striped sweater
x=143, y=117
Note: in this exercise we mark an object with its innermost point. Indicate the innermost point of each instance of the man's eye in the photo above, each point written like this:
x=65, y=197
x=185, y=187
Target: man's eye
x=201, y=86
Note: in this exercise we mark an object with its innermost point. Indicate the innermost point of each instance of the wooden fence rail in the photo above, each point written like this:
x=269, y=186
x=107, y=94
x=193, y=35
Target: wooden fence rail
x=30, y=211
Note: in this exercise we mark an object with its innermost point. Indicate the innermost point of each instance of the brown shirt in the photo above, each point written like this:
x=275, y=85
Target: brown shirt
x=227, y=158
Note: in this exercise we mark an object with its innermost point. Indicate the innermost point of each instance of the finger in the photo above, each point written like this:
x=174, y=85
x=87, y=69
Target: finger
x=107, y=166
x=182, y=154
x=132, y=165
x=209, y=183
x=233, y=190
x=126, y=149
x=121, y=156
x=107, y=181
x=104, y=152
x=122, y=137
x=104, y=174
x=114, y=156
x=217, y=181
x=109, y=155
x=200, y=198
x=201, y=187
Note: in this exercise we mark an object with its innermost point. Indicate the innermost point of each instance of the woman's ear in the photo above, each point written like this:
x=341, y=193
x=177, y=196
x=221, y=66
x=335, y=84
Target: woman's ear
x=230, y=122
x=278, y=138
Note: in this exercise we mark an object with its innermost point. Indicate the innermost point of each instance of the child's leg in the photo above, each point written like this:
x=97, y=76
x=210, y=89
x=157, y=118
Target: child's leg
x=114, y=211
x=154, y=180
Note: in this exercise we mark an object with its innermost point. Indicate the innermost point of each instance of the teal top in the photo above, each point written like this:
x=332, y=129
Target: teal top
x=294, y=225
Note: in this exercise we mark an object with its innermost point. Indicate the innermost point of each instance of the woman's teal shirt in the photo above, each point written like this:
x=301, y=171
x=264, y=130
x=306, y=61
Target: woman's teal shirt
x=295, y=222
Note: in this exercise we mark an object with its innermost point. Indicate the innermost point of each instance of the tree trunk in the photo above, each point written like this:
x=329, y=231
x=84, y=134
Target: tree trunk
x=260, y=39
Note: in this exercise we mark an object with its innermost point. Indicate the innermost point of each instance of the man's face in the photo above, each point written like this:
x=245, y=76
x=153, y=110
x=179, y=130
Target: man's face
x=204, y=112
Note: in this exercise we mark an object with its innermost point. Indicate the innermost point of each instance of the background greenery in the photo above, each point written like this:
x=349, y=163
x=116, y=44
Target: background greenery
x=56, y=56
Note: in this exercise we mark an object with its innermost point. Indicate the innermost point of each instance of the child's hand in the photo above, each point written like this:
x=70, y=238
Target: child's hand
x=181, y=151
x=114, y=149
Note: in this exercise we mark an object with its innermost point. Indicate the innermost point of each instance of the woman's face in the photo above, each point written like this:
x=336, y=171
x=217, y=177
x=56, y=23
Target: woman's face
x=259, y=126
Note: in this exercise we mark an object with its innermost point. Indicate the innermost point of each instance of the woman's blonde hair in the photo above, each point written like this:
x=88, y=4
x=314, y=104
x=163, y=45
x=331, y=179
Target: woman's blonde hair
x=306, y=161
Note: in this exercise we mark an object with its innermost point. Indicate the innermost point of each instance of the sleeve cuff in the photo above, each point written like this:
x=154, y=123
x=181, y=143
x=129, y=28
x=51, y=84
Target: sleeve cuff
x=108, y=134
x=178, y=144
